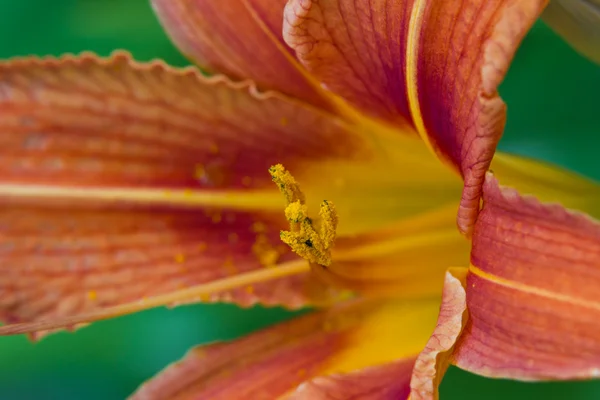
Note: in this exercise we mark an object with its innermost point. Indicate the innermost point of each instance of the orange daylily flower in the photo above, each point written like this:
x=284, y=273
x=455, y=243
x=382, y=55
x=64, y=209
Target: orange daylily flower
x=127, y=186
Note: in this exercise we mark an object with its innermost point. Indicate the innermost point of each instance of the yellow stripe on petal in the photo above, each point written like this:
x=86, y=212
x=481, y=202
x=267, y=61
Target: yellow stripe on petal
x=231, y=199
x=390, y=332
x=273, y=362
x=198, y=293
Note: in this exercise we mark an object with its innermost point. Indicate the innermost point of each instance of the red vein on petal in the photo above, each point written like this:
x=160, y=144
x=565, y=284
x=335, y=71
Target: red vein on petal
x=532, y=290
x=197, y=292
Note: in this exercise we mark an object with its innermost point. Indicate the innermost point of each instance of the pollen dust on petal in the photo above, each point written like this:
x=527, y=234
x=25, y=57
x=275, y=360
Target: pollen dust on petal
x=303, y=238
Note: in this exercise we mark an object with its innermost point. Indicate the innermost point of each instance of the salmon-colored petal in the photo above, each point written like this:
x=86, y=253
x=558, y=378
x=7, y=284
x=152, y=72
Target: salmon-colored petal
x=121, y=181
x=458, y=53
x=61, y=260
x=239, y=38
x=357, y=49
x=433, y=66
x=85, y=121
x=384, y=382
x=532, y=292
x=432, y=363
x=273, y=362
x=578, y=22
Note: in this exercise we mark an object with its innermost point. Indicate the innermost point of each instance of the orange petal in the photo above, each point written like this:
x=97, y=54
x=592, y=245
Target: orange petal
x=458, y=53
x=65, y=260
x=273, y=362
x=121, y=181
x=432, y=363
x=85, y=121
x=430, y=66
x=390, y=381
x=532, y=292
x=356, y=48
x=239, y=38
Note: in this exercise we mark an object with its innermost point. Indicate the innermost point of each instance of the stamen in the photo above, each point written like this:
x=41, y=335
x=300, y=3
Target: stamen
x=303, y=238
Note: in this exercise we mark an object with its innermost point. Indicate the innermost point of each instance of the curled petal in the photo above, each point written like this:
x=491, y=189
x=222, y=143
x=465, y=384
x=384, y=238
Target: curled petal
x=459, y=52
x=239, y=38
x=578, y=22
x=121, y=182
x=532, y=292
x=429, y=66
x=273, y=362
x=432, y=363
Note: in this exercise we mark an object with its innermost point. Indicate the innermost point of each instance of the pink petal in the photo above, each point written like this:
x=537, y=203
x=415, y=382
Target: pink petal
x=461, y=52
x=356, y=49
x=271, y=363
x=532, y=292
x=85, y=121
x=432, y=363
x=433, y=67
x=383, y=382
x=239, y=38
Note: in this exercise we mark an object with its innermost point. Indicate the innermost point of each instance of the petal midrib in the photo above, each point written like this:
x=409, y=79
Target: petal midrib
x=235, y=199
x=577, y=301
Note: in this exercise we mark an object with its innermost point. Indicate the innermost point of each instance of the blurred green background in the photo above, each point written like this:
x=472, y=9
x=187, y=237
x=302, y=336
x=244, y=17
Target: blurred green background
x=553, y=114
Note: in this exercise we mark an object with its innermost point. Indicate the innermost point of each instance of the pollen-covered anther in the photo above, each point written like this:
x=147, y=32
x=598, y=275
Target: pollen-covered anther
x=286, y=184
x=303, y=238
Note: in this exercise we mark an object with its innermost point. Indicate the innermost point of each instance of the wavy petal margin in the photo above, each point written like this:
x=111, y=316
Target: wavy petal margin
x=432, y=363
x=123, y=182
x=458, y=54
x=429, y=66
x=239, y=38
x=273, y=362
x=532, y=306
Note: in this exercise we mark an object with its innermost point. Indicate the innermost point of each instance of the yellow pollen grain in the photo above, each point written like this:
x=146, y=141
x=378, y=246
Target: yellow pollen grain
x=301, y=372
x=216, y=218
x=214, y=148
x=283, y=121
x=250, y=289
x=187, y=192
x=92, y=295
x=179, y=258
x=303, y=238
x=202, y=246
